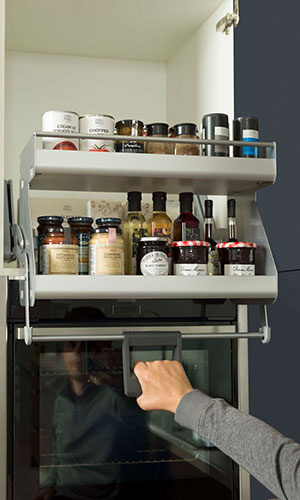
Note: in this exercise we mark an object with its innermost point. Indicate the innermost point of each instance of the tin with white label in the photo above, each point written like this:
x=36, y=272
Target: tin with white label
x=215, y=127
x=97, y=125
x=66, y=122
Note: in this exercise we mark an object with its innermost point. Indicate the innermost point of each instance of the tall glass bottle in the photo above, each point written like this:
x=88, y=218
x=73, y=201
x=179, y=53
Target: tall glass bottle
x=213, y=257
x=232, y=233
x=135, y=228
x=186, y=226
x=160, y=224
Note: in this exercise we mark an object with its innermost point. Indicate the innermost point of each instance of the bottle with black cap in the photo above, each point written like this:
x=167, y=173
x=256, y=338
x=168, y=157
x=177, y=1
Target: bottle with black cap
x=231, y=221
x=213, y=256
x=160, y=224
x=186, y=226
x=135, y=228
x=215, y=127
x=245, y=128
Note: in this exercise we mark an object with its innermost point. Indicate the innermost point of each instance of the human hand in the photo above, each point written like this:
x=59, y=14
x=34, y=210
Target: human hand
x=45, y=493
x=164, y=383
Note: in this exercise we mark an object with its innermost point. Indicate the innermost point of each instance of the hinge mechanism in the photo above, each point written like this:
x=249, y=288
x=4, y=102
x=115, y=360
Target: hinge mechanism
x=231, y=19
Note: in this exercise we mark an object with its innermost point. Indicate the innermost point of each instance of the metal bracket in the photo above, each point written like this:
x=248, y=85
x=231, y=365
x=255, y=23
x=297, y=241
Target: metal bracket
x=231, y=19
x=265, y=329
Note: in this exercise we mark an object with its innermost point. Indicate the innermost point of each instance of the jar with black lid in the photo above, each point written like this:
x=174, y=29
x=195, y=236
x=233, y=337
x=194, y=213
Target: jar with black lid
x=81, y=228
x=237, y=258
x=215, y=127
x=190, y=258
x=152, y=256
x=158, y=130
x=45, y=223
x=245, y=128
x=186, y=131
x=135, y=129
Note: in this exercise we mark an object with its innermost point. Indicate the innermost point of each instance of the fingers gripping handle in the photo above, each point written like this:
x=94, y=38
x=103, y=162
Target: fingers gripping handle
x=132, y=386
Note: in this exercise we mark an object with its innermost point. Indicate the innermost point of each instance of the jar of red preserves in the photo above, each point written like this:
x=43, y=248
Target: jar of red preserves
x=237, y=258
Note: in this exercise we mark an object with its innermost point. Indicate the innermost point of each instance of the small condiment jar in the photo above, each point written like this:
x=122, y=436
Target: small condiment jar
x=190, y=258
x=129, y=127
x=59, y=255
x=152, y=256
x=237, y=258
x=158, y=130
x=81, y=228
x=46, y=222
x=106, y=248
x=186, y=131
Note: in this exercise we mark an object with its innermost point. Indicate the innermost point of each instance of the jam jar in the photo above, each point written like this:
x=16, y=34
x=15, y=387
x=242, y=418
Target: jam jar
x=60, y=254
x=237, y=258
x=129, y=127
x=190, y=258
x=152, y=256
x=106, y=248
x=45, y=223
x=81, y=228
x=158, y=130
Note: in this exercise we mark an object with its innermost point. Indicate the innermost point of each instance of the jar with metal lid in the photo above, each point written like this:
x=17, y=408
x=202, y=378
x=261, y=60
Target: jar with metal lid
x=186, y=131
x=81, y=228
x=60, y=254
x=46, y=222
x=190, y=258
x=158, y=130
x=133, y=128
x=237, y=258
x=106, y=248
x=152, y=256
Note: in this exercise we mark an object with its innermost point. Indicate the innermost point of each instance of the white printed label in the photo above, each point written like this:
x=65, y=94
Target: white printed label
x=60, y=121
x=96, y=125
x=190, y=269
x=155, y=264
x=250, y=134
x=221, y=134
x=239, y=269
x=224, y=131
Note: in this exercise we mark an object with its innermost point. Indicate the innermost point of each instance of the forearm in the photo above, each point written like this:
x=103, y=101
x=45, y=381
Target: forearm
x=270, y=457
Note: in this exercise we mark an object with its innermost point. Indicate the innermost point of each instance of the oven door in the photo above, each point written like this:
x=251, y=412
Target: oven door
x=75, y=435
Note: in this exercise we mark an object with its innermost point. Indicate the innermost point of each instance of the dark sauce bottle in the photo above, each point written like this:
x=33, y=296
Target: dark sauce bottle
x=213, y=257
x=232, y=233
x=186, y=226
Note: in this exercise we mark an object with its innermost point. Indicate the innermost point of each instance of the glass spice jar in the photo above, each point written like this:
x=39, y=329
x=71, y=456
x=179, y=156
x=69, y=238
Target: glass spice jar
x=237, y=258
x=186, y=131
x=158, y=130
x=60, y=256
x=81, y=228
x=106, y=248
x=45, y=222
x=133, y=128
x=190, y=258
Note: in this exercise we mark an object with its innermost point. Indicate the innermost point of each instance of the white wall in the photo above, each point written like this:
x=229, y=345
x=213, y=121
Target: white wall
x=200, y=76
x=37, y=82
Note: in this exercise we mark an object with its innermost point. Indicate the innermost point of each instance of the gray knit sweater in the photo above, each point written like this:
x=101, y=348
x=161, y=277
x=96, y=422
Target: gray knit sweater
x=271, y=458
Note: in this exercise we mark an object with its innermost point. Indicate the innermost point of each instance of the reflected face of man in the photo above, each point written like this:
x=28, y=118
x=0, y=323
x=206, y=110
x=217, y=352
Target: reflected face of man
x=73, y=356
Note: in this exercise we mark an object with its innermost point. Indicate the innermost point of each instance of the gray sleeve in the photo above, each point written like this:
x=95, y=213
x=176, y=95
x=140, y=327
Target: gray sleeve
x=271, y=458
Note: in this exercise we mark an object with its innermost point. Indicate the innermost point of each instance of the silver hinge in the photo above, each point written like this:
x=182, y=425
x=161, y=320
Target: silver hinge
x=231, y=19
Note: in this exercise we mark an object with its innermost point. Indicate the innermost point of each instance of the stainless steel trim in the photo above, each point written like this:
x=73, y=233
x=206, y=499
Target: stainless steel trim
x=243, y=388
x=3, y=388
x=154, y=139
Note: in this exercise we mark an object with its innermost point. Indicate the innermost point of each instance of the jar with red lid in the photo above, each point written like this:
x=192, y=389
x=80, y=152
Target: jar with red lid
x=60, y=252
x=237, y=258
x=190, y=258
x=45, y=222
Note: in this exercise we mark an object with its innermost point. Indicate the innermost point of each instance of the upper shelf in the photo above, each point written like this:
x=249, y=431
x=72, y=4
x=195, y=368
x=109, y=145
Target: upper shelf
x=123, y=172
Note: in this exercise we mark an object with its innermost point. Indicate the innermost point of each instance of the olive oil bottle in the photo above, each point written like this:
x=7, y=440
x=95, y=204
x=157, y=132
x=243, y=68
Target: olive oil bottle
x=160, y=224
x=135, y=228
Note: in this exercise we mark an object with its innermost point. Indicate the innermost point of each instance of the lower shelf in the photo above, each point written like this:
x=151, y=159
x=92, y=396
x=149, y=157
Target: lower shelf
x=253, y=289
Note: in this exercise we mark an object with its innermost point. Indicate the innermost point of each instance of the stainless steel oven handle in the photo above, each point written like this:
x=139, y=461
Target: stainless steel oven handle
x=138, y=339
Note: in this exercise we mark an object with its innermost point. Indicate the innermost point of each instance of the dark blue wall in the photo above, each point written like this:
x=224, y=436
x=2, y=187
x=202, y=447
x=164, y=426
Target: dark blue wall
x=267, y=85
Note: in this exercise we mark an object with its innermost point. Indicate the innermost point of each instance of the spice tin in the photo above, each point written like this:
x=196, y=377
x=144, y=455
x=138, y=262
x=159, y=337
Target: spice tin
x=66, y=122
x=237, y=258
x=133, y=128
x=81, y=229
x=152, y=256
x=215, y=127
x=190, y=258
x=245, y=128
x=97, y=125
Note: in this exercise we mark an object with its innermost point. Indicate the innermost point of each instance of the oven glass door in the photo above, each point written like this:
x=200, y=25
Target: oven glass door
x=76, y=436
